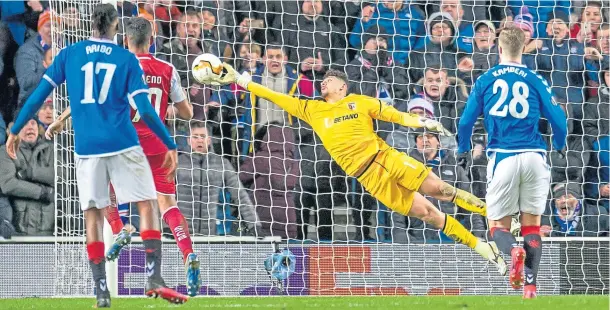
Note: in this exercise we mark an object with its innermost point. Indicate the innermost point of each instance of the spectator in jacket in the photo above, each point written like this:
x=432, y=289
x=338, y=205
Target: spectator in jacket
x=181, y=51
x=201, y=176
x=597, y=109
x=598, y=176
x=271, y=173
x=448, y=96
x=562, y=62
x=439, y=49
x=569, y=215
x=28, y=181
x=309, y=39
x=464, y=28
x=28, y=60
x=213, y=39
x=403, y=21
x=495, y=10
x=539, y=12
x=278, y=76
x=594, y=64
x=590, y=19
x=485, y=50
x=373, y=73
x=442, y=163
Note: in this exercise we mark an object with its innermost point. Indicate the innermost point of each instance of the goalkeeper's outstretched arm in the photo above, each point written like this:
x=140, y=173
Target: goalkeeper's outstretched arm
x=290, y=104
x=379, y=110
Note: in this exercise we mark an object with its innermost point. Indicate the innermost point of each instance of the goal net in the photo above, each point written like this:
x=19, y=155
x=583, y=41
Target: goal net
x=420, y=57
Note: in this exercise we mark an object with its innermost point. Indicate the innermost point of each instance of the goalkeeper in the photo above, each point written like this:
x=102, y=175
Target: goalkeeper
x=345, y=126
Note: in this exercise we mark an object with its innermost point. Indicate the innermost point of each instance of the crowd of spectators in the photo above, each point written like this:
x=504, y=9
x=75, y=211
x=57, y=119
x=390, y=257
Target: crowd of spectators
x=244, y=158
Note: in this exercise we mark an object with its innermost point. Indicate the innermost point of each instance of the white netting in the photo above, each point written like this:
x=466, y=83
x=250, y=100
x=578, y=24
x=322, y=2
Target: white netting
x=299, y=192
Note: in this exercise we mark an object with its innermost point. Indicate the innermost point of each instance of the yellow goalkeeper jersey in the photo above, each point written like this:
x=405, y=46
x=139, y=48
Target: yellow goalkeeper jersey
x=345, y=127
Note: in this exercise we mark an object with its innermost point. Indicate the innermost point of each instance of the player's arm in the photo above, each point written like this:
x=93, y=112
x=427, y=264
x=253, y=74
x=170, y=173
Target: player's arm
x=53, y=77
x=553, y=112
x=184, y=109
x=474, y=108
x=58, y=125
x=383, y=112
x=292, y=105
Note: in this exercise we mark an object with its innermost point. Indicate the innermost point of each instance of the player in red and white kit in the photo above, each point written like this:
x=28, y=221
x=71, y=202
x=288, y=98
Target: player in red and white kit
x=164, y=85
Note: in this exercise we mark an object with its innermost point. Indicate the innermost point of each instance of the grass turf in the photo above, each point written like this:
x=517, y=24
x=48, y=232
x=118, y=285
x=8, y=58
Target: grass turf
x=578, y=302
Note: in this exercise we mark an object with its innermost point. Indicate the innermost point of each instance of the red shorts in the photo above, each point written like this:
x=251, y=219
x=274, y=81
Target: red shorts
x=162, y=185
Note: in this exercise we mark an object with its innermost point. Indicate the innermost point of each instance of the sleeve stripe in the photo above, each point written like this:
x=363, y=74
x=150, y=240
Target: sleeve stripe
x=50, y=80
x=137, y=92
x=380, y=105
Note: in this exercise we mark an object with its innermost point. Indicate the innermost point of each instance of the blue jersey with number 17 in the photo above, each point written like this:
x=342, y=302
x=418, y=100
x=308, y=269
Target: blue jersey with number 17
x=102, y=78
x=512, y=99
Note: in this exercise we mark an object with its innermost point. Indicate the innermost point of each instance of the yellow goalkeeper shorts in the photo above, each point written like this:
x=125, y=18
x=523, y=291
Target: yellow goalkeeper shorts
x=393, y=178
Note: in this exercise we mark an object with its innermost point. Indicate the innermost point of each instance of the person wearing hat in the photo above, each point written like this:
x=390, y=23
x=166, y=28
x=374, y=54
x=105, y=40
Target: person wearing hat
x=569, y=215
x=439, y=48
x=524, y=21
x=485, y=51
x=539, y=11
x=29, y=67
x=399, y=138
x=428, y=151
x=372, y=72
x=45, y=114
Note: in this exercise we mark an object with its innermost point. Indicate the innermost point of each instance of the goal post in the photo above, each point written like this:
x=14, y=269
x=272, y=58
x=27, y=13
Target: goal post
x=371, y=250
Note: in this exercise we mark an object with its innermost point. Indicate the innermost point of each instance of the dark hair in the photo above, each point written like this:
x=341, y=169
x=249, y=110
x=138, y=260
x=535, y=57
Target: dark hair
x=197, y=124
x=103, y=16
x=596, y=3
x=337, y=74
x=139, y=31
x=275, y=46
x=435, y=67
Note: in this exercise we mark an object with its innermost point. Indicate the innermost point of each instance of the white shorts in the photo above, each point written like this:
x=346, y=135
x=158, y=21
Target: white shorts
x=519, y=183
x=129, y=173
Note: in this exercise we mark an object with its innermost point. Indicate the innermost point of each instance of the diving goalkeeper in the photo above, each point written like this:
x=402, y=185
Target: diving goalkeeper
x=345, y=126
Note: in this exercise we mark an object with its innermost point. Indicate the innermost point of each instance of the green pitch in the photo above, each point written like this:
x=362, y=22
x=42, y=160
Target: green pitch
x=576, y=302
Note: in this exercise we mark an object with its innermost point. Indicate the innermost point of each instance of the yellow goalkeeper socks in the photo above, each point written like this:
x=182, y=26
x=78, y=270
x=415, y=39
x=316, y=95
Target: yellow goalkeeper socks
x=456, y=231
x=469, y=202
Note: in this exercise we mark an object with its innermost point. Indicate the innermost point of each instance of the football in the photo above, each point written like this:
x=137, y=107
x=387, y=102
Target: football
x=206, y=66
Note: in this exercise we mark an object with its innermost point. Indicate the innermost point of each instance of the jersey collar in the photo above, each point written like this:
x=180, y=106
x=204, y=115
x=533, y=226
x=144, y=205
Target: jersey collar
x=510, y=63
x=101, y=40
x=144, y=55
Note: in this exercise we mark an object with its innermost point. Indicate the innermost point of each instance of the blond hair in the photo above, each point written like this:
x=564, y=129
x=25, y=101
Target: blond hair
x=512, y=41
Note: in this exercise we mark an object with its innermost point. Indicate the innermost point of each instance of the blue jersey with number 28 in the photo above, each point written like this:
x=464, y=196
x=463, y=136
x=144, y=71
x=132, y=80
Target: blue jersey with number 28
x=512, y=99
x=101, y=78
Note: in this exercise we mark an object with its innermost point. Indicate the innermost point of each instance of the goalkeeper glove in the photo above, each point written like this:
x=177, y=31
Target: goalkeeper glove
x=434, y=126
x=230, y=76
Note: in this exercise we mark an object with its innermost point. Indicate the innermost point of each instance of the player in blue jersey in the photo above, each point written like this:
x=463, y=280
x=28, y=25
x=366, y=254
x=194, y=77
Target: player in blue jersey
x=102, y=80
x=512, y=99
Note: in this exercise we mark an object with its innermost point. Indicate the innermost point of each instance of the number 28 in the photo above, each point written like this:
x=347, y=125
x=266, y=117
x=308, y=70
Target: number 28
x=520, y=93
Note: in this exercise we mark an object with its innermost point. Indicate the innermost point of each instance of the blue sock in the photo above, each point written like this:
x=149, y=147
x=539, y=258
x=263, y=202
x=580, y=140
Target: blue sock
x=124, y=212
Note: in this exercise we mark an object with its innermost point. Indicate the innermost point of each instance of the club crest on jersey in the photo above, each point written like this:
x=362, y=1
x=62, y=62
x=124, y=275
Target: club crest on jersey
x=351, y=106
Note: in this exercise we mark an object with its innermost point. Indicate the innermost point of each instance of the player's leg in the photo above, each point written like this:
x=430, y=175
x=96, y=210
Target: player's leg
x=132, y=178
x=92, y=181
x=532, y=202
x=166, y=193
x=424, y=210
x=503, y=202
x=412, y=175
x=379, y=182
x=177, y=223
x=439, y=189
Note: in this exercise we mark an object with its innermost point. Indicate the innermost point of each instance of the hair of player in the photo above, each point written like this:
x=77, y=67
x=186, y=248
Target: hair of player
x=337, y=74
x=139, y=31
x=103, y=17
x=512, y=41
